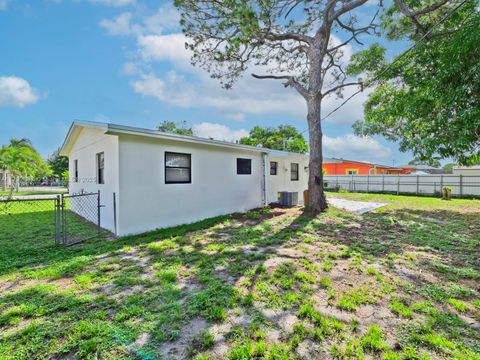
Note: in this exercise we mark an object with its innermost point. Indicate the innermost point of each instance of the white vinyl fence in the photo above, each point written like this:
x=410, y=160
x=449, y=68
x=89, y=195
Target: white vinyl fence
x=461, y=185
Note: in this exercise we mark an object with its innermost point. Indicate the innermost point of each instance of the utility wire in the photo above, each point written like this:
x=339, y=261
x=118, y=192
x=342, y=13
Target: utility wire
x=406, y=52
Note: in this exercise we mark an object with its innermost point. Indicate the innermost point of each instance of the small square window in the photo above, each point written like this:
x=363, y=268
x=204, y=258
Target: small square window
x=178, y=168
x=294, y=172
x=100, y=168
x=352, y=172
x=273, y=167
x=244, y=166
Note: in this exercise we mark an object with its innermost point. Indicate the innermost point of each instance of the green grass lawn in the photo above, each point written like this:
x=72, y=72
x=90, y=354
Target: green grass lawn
x=399, y=283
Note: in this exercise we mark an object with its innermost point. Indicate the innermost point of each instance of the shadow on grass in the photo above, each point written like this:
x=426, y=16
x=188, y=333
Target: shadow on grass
x=453, y=236
x=190, y=275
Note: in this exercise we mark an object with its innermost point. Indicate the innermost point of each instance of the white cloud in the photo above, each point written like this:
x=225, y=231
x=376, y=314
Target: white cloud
x=191, y=87
x=248, y=97
x=165, y=18
x=15, y=91
x=130, y=68
x=169, y=47
x=4, y=4
x=218, y=131
x=114, y=3
x=119, y=26
x=355, y=147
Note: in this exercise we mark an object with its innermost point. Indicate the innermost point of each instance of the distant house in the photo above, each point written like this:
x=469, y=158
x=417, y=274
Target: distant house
x=423, y=170
x=466, y=170
x=333, y=166
x=161, y=179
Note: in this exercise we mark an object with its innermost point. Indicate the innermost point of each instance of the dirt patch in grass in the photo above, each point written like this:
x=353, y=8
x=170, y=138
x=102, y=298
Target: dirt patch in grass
x=179, y=349
x=270, y=283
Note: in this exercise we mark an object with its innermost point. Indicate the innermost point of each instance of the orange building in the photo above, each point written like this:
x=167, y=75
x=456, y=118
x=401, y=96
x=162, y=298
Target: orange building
x=334, y=166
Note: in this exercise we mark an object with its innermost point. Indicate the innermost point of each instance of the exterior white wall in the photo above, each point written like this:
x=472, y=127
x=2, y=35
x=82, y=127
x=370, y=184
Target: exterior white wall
x=146, y=203
x=463, y=170
x=282, y=182
x=90, y=142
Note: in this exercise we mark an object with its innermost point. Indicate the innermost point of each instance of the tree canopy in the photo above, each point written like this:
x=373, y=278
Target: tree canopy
x=300, y=43
x=21, y=160
x=58, y=164
x=175, y=128
x=283, y=137
x=428, y=100
x=431, y=162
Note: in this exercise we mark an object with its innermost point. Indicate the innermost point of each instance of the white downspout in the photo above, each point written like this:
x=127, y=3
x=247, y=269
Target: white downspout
x=265, y=178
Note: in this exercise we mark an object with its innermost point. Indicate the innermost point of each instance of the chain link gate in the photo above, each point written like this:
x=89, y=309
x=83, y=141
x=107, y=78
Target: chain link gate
x=77, y=217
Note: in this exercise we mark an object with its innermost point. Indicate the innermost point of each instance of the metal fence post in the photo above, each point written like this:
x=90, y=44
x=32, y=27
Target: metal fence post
x=57, y=220
x=64, y=225
x=418, y=179
x=115, y=213
x=98, y=212
x=461, y=185
x=441, y=185
x=383, y=183
x=368, y=183
x=398, y=184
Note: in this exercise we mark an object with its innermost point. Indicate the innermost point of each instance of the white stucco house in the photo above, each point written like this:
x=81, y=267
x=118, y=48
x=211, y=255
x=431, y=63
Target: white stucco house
x=466, y=170
x=161, y=179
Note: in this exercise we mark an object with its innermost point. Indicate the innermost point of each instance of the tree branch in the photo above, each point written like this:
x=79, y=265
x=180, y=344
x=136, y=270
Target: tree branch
x=338, y=87
x=413, y=15
x=347, y=7
x=288, y=36
x=290, y=82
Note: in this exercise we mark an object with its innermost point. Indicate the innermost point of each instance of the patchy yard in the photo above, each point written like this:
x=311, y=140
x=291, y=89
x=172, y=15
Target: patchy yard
x=401, y=283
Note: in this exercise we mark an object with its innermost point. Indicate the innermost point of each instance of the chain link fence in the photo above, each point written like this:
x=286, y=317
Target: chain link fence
x=79, y=218
x=39, y=221
x=31, y=220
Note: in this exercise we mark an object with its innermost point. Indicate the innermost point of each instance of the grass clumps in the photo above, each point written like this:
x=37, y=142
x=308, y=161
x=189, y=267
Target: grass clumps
x=350, y=300
x=459, y=305
x=400, y=308
x=373, y=339
x=213, y=302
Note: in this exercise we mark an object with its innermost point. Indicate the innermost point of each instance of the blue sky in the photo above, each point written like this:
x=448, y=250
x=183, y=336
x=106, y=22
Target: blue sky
x=123, y=61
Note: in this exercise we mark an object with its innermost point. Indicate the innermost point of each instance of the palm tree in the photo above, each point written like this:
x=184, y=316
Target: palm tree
x=20, y=159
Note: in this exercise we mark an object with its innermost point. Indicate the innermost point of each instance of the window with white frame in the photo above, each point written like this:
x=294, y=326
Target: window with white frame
x=178, y=168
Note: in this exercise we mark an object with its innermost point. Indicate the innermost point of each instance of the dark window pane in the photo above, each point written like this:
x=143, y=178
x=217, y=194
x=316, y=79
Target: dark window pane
x=273, y=167
x=75, y=170
x=175, y=175
x=178, y=168
x=100, y=168
x=177, y=160
x=294, y=172
x=244, y=166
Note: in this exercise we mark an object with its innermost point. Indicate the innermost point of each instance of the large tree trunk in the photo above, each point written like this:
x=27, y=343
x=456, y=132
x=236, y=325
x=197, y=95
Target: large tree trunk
x=316, y=196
